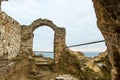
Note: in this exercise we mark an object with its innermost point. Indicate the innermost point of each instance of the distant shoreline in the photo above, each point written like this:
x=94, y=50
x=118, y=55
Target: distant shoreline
x=51, y=55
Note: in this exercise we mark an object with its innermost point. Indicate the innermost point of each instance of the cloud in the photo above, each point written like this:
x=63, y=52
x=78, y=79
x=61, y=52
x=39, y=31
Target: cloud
x=91, y=48
x=77, y=16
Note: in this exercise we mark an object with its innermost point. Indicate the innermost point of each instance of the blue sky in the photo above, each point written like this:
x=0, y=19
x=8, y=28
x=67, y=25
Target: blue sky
x=77, y=16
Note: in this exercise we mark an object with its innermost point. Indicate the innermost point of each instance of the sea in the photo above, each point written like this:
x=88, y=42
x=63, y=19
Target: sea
x=51, y=55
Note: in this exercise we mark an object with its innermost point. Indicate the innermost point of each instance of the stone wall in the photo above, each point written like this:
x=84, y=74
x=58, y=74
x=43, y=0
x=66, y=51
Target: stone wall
x=108, y=20
x=10, y=36
x=18, y=40
x=28, y=36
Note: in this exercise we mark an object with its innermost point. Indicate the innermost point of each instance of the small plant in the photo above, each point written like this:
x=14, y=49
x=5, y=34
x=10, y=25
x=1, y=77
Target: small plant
x=40, y=55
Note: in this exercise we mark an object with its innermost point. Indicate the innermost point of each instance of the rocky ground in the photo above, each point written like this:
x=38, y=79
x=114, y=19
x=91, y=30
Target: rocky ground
x=73, y=66
x=86, y=68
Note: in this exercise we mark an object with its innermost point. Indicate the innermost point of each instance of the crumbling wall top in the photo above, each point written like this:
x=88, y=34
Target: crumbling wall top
x=41, y=22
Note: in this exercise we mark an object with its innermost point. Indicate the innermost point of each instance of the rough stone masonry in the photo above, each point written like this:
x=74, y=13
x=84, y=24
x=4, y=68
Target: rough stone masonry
x=17, y=40
x=108, y=20
x=28, y=36
x=10, y=36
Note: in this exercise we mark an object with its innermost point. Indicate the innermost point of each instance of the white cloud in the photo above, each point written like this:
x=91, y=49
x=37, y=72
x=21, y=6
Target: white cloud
x=91, y=48
x=77, y=16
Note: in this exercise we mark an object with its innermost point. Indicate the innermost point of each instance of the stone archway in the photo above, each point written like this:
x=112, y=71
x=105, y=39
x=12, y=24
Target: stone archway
x=108, y=20
x=43, y=42
x=27, y=38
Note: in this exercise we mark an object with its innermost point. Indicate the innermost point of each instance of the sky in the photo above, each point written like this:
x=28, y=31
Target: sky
x=76, y=16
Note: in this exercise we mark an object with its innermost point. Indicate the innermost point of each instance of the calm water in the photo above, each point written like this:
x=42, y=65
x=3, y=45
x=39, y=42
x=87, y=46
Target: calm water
x=91, y=54
x=51, y=55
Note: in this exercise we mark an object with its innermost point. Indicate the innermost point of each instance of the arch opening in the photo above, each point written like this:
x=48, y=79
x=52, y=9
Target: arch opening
x=43, y=42
x=28, y=36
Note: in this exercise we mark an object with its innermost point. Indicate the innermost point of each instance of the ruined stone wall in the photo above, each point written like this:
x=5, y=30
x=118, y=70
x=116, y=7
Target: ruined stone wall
x=18, y=40
x=10, y=36
x=26, y=41
x=59, y=45
x=108, y=20
x=28, y=36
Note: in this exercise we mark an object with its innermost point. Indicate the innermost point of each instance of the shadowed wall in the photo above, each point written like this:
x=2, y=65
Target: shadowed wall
x=108, y=21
